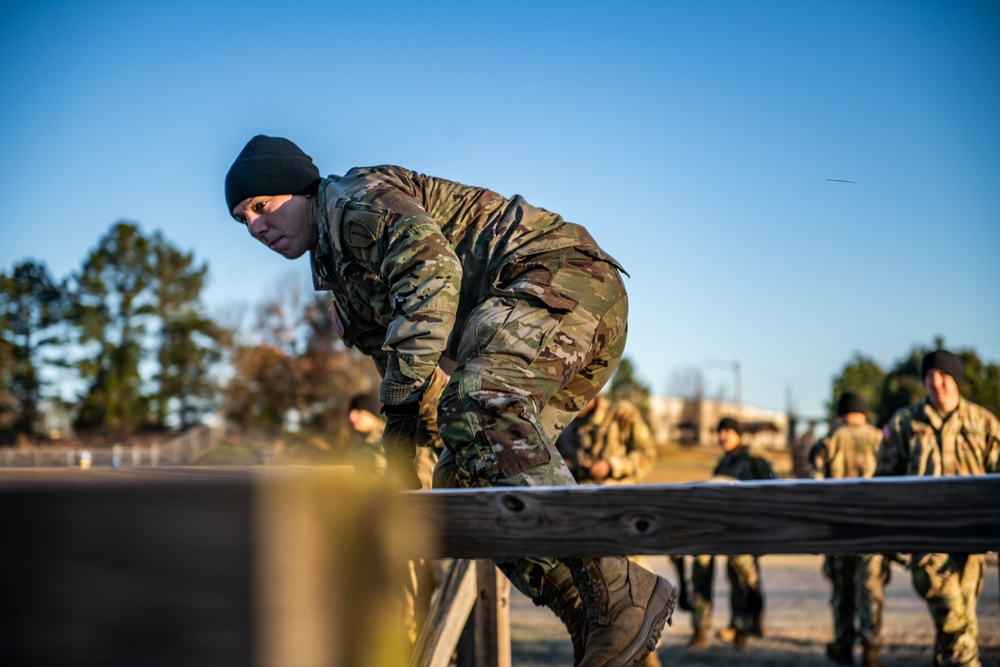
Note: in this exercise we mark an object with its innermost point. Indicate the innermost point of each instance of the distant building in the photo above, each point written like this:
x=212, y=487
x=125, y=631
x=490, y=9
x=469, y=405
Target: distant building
x=693, y=421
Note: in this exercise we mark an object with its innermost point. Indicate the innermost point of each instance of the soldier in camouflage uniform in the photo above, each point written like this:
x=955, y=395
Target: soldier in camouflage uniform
x=610, y=443
x=944, y=434
x=851, y=450
x=528, y=308
x=364, y=413
x=745, y=596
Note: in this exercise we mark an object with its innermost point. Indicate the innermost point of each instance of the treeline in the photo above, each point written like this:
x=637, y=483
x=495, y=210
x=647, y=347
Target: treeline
x=129, y=333
x=887, y=390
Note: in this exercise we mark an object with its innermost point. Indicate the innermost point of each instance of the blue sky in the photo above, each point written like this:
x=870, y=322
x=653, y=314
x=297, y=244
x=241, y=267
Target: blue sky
x=694, y=139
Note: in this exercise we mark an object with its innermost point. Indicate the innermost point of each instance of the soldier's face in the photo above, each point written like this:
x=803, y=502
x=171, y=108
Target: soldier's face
x=729, y=439
x=363, y=421
x=284, y=223
x=942, y=390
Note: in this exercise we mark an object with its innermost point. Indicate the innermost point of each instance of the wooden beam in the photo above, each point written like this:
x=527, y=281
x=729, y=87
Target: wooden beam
x=447, y=617
x=900, y=514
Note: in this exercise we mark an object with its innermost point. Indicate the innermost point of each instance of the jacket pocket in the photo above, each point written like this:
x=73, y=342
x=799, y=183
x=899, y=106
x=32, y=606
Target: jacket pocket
x=531, y=277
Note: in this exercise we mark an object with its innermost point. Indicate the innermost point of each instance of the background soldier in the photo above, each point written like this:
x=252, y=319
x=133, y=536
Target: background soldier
x=531, y=311
x=944, y=434
x=364, y=413
x=745, y=596
x=851, y=450
x=610, y=443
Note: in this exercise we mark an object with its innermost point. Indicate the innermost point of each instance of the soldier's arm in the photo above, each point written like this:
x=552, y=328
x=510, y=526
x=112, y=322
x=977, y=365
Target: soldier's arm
x=817, y=460
x=424, y=277
x=992, y=462
x=892, y=453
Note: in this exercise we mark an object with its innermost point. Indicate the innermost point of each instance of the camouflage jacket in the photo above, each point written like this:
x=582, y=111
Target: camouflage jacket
x=848, y=451
x=918, y=442
x=615, y=432
x=407, y=257
x=366, y=450
x=742, y=465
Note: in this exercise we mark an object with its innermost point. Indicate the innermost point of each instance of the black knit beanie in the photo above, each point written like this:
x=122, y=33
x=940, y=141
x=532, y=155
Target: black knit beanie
x=269, y=166
x=730, y=423
x=851, y=402
x=944, y=361
x=367, y=402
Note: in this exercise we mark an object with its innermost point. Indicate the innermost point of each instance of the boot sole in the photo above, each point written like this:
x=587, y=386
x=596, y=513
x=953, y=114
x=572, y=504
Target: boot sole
x=659, y=611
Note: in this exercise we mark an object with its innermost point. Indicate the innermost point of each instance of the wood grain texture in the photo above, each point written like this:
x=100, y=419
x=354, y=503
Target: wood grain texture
x=903, y=514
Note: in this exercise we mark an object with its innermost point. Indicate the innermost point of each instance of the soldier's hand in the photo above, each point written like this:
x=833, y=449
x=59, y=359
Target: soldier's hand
x=599, y=469
x=399, y=442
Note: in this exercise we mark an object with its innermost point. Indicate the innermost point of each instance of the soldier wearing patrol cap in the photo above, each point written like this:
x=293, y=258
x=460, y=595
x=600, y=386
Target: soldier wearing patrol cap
x=944, y=434
x=529, y=310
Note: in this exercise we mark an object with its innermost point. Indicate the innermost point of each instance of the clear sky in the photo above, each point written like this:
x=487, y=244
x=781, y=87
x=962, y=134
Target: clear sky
x=695, y=139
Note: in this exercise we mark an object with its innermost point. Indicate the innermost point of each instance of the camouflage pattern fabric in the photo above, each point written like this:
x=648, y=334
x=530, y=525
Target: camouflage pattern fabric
x=745, y=593
x=848, y=451
x=919, y=440
x=951, y=584
x=858, y=597
x=615, y=432
x=366, y=452
x=746, y=602
x=408, y=258
x=528, y=307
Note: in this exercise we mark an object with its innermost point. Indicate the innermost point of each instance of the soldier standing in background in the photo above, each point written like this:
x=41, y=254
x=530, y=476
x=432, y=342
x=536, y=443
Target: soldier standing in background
x=745, y=597
x=364, y=413
x=944, y=434
x=610, y=443
x=851, y=450
x=531, y=311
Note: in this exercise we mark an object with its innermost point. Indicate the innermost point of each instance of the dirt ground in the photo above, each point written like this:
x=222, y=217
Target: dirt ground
x=797, y=611
x=798, y=623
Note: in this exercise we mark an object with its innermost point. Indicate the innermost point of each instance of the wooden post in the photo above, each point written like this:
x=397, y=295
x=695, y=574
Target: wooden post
x=447, y=617
x=486, y=640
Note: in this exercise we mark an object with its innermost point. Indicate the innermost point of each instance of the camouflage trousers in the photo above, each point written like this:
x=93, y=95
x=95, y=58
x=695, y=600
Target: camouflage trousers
x=858, y=598
x=535, y=350
x=746, y=601
x=951, y=584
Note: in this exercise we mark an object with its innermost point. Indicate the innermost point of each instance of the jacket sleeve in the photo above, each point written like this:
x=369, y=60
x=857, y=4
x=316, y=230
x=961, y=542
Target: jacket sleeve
x=424, y=277
x=818, y=460
x=893, y=453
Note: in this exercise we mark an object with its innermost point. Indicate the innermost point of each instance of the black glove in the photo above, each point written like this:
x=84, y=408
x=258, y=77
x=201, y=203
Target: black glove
x=399, y=440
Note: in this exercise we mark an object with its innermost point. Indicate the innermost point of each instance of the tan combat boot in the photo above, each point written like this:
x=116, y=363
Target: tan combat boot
x=651, y=660
x=561, y=595
x=699, y=640
x=869, y=657
x=626, y=607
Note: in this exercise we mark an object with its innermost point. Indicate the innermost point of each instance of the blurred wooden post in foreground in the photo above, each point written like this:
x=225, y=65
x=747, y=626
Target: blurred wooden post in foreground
x=203, y=567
